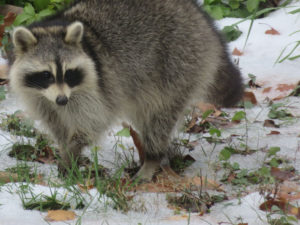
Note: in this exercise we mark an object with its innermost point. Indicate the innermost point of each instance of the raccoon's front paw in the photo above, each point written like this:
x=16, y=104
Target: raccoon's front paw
x=62, y=169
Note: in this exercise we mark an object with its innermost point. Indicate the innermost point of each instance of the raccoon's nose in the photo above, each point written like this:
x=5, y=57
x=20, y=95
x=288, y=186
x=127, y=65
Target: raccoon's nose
x=61, y=100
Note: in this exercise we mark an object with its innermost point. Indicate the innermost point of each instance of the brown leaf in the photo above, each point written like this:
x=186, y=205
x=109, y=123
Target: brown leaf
x=60, y=215
x=205, y=106
x=289, y=191
x=9, y=19
x=231, y=177
x=164, y=184
x=88, y=185
x=278, y=97
x=46, y=156
x=178, y=217
x=250, y=97
x=285, y=87
x=272, y=31
x=270, y=123
x=7, y=177
x=237, y=52
x=267, y=90
x=274, y=132
x=284, y=206
x=281, y=175
x=243, y=224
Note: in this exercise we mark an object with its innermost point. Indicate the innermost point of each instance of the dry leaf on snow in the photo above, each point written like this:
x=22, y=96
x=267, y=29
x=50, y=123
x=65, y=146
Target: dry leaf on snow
x=60, y=215
x=7, y=177
x=237, y=52
x=285, y=87
x=249, y=97
x=270, y=123
x=178, y=217
x=164, y=184
x=267, y=89
x=289, y=191
x=283, y=205
x=272, y=31
x=88, y=185
x=274, y=132
x=281, y=175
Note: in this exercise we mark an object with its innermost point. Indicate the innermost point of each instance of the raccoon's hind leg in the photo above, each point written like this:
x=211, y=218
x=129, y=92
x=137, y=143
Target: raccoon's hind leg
x=155, y=134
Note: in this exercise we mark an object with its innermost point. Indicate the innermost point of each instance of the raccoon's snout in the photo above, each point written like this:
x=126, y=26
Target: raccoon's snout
x=61, y=100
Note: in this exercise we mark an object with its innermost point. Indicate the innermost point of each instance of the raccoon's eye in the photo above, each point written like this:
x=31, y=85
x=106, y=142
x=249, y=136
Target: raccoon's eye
x=39, y=80
x=73, y=77
x=47, y=75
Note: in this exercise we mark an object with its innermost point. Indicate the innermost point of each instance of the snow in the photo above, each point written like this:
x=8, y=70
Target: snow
x=259, y=57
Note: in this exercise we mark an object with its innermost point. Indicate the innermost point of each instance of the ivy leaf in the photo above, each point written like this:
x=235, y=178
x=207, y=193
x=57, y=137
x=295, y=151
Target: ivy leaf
x=231, y=33
x=39, y=5
x=239, y=116
x=125, y=132
x=252, y=5
x=225, y=154
x=273, y=151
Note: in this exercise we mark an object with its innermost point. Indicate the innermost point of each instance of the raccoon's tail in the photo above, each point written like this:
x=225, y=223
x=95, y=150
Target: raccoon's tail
x=228, y=88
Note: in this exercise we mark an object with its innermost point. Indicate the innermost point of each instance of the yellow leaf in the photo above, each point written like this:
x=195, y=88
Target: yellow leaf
x=60, y=215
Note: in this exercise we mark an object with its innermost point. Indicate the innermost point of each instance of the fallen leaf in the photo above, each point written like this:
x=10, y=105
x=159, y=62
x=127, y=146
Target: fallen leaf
x=203, y=106
x=284, y=206
x=60, y=215
x=178, y=217
x=281, y=175
x=289, y=191
x=9, y=18
x=250, y=97
x=274, y=132
x=7, y=177
x=164, y=183
x=267, y=90
x=278, y=97
x=270, y=123
x=237, y=52
x=285, y=87
x=88, y=185
x=272, y=31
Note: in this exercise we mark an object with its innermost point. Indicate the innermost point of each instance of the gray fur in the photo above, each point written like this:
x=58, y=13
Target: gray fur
x=144, y=61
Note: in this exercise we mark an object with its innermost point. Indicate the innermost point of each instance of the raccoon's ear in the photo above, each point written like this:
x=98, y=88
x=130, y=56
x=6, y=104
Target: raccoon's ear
x=74, y=33
x=23, y=39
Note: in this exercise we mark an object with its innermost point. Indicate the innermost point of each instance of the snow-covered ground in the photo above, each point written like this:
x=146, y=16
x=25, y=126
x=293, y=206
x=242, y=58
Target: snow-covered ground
x=259, y=56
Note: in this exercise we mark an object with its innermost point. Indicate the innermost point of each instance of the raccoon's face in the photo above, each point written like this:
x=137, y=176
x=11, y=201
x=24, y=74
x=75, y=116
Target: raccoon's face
x=50, y=62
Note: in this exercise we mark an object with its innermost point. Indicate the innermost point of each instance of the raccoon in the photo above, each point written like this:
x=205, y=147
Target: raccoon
x=136, y=60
